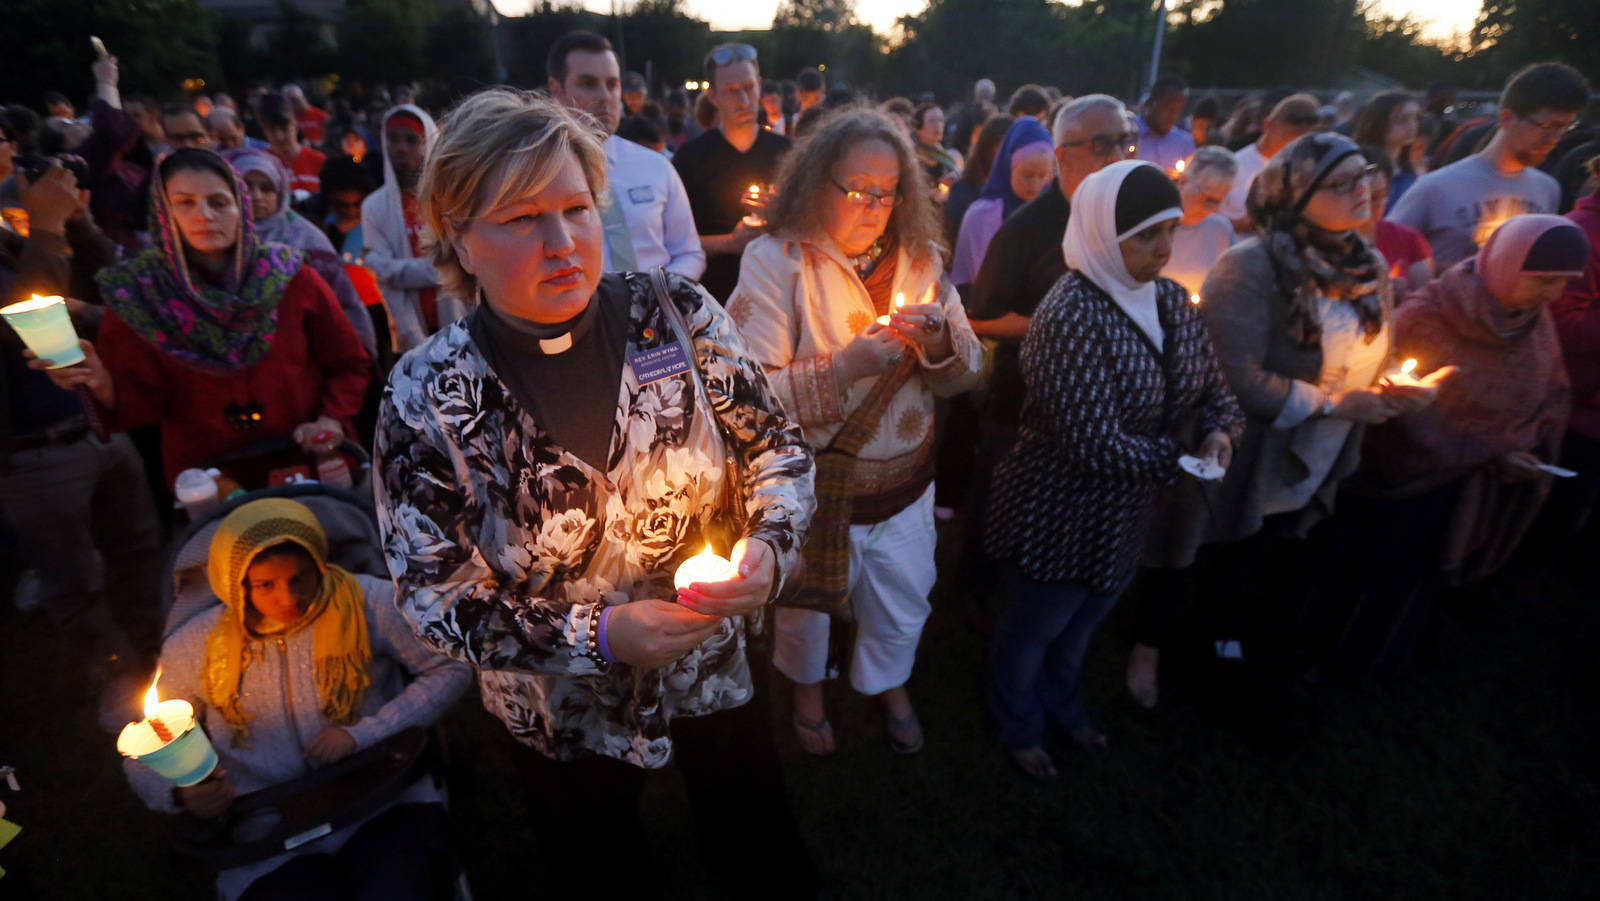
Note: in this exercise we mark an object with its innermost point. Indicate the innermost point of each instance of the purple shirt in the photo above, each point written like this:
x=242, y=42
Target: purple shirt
x=1164, y=150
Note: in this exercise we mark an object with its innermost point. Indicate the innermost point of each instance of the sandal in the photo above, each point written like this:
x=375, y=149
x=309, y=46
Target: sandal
x=815, y=736
x=905, y=734
x=1034, y=764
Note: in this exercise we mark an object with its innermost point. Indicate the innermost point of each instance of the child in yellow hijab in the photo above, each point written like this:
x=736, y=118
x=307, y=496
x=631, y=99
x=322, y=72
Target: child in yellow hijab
x=333, y=610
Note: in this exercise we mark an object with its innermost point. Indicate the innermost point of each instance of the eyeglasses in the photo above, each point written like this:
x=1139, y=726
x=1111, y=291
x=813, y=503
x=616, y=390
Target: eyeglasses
x=866, y=199
x=727, y=53
x=1101, y=145
x=1549, y=129
x=1351, y=183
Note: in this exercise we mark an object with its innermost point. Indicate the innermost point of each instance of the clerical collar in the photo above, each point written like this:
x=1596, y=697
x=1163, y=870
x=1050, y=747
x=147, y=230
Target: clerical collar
x=547, y=339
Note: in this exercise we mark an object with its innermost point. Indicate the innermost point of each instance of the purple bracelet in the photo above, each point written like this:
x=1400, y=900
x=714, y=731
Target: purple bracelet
x=600, y=634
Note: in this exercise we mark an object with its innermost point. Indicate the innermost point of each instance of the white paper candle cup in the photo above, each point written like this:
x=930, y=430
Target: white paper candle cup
x=186, y=760
x=45, y=326
x=703, y=567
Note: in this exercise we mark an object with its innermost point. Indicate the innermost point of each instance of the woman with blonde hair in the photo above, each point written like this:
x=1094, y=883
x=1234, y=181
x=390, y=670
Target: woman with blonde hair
x=545, y=465
x=845, y=304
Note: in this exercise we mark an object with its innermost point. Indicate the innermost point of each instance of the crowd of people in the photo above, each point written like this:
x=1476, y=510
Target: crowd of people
x=1298, y=371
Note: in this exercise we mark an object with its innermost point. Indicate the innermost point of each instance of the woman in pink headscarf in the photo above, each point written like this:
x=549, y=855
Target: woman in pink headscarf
x=1451, y=489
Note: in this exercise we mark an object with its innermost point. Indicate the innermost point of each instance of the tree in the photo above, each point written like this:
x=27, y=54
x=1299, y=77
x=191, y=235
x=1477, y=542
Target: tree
x=665, y=40
x=382, y=41
x=1511, y=34
x=831, y=16
x=44, y=46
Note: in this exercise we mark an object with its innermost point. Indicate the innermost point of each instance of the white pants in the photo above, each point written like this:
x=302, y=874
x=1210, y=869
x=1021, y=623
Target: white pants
x=891, y=573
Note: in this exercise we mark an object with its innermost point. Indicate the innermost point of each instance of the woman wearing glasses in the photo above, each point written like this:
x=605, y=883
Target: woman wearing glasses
x=1300, y=319
x=819, y=305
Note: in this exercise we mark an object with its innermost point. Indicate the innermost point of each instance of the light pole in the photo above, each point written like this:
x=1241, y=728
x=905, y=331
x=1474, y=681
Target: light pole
x=1161, y=31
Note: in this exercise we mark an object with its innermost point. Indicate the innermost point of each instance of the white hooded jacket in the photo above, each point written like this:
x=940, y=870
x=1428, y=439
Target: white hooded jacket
x=387, y=249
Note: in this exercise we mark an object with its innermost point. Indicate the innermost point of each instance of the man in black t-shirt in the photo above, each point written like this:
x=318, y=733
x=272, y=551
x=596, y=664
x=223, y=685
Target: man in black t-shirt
x=1023, y=262
x=720, y=166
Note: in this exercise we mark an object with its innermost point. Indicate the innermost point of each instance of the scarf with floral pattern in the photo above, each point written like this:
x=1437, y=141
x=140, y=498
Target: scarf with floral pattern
x=227, y=326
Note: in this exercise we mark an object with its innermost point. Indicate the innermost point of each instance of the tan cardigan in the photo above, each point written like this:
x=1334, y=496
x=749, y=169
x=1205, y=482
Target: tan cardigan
x=800, y=302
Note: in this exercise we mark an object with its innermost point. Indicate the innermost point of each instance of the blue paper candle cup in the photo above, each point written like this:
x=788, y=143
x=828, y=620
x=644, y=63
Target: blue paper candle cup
x=186, y=760
x=45, y=326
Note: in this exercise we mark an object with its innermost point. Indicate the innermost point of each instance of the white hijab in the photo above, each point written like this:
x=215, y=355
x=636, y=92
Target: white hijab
x=1092, y=245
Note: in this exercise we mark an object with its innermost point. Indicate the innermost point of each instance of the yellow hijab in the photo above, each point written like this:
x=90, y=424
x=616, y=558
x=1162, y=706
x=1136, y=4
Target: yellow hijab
x=337, y=616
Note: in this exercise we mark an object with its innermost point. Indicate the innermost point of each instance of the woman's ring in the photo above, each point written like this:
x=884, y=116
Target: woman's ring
x=932, y=322
x=897, y=359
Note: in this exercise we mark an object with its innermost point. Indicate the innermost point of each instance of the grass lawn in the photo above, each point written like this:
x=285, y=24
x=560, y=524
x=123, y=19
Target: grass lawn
x=1474, y=778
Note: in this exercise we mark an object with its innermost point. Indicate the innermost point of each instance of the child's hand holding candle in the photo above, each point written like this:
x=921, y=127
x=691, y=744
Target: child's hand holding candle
x=169, y=740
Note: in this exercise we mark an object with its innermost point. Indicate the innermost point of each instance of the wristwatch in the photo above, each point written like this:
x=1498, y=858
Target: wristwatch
x=1326, y=409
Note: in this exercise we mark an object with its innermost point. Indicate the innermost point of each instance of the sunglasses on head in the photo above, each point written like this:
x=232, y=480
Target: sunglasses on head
x=727, y=53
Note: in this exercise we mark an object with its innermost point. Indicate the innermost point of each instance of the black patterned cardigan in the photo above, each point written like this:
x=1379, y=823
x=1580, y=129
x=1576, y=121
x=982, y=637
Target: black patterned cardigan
x=1099, y=432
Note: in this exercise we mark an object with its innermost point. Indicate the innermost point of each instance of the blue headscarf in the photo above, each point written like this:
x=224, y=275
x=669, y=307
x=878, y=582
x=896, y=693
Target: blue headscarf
x=1025, y=138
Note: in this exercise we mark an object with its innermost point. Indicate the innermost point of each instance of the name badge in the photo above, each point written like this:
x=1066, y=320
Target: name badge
x=641, y=194
x=656, y=363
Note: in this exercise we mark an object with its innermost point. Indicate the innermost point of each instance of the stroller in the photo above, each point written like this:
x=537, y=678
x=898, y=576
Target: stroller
x=266, y=823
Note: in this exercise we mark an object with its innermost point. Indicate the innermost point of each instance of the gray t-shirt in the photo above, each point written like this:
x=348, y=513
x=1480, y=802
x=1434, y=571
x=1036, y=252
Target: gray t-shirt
x=1456, y=208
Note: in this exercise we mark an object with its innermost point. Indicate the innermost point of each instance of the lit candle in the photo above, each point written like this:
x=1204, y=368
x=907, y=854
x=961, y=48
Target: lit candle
x=1194, y=299
x=1178, y=169
x=899, y=301
x=168, y=740
x=45, y=326
x=753, y=202
x=1405, y=377
x=706, y=566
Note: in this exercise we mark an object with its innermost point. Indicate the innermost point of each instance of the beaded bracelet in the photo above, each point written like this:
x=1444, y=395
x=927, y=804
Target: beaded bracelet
x=593, y=652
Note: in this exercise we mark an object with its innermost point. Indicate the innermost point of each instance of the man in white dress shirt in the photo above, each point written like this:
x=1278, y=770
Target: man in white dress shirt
x=648, y=222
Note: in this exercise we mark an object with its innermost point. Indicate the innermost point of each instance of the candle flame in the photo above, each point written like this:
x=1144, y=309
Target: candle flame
x=1194, y=298
x=151, y=700
x=899, y=299
x=33, y=303
x=1180, y=166
x=755, y=190
x=1407, y=366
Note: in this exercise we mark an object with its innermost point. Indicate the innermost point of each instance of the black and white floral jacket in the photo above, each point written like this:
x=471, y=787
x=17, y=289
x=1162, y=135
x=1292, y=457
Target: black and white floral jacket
x=504, y=546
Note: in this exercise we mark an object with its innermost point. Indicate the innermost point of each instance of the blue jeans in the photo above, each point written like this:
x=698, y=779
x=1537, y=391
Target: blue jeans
x=1037, y=666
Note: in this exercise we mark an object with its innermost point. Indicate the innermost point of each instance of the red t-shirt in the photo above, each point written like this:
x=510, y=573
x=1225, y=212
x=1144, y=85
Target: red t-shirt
x=1402, y=246
x=427, y=298
x=305, y=169
x=310, y=123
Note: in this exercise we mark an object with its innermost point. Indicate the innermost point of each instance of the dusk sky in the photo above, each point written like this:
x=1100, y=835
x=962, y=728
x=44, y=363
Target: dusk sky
x=1445, y=17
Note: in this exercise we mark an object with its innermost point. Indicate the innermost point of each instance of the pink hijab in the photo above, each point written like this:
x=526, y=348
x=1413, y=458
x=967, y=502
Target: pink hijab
x=1536, y=244
x=1510, y=392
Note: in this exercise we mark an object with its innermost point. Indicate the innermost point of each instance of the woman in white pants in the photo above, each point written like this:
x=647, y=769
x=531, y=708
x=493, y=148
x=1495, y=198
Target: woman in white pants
x=846, y=305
